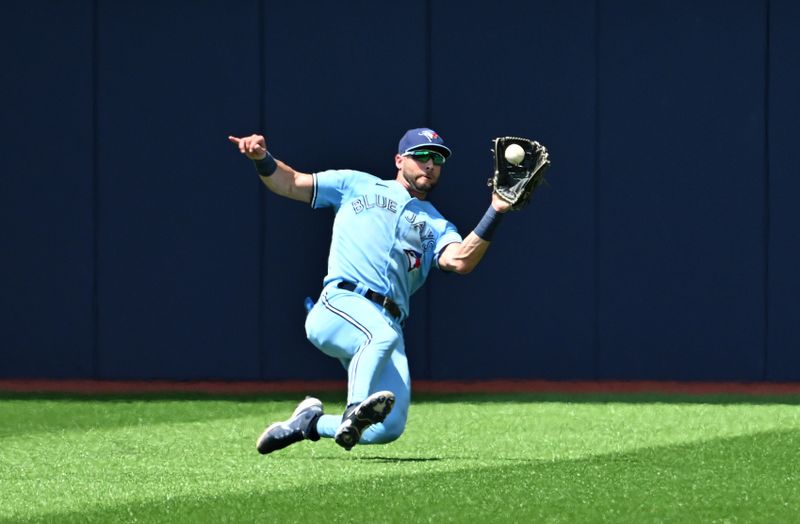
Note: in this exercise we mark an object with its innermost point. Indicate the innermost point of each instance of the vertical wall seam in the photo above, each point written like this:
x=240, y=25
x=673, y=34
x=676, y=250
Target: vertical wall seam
x=429, y=62
x=765, y=363
x=428, y=118
x=95, y=213
x=262, y=234
x=595, y=199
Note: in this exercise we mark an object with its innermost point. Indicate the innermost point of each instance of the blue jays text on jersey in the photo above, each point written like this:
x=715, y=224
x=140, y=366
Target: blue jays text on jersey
x=382, y=237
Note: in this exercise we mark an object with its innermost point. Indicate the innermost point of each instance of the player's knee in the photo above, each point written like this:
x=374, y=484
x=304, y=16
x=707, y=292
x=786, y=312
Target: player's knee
x=391, y=431
x=395, y=424
x=395, y=429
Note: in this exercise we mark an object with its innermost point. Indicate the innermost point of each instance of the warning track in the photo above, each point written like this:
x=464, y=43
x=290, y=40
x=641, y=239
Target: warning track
x=100, y=387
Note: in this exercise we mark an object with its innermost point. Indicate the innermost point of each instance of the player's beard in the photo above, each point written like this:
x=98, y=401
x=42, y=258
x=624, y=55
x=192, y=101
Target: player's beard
x=421, y=183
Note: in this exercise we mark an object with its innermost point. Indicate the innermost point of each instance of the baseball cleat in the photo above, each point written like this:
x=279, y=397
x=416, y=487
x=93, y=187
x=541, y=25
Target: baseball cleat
x=359, y=417
x=301, y=425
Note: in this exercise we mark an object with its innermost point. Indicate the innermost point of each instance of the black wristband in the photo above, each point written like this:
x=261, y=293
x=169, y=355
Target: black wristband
x=487, y=225
x=266, y=166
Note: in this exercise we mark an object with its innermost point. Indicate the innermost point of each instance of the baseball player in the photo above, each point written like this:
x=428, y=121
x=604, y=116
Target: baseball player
x=386, y=237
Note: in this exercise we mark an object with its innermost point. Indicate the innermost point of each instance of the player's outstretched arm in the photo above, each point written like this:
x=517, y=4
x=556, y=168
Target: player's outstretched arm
x=276, y=175
x=463, y=257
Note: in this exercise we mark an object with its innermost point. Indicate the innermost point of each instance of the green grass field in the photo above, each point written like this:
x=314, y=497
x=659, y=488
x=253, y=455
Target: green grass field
x=502, y=458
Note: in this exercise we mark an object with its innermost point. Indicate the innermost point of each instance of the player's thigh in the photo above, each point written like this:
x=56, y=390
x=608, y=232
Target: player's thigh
x=341, y=322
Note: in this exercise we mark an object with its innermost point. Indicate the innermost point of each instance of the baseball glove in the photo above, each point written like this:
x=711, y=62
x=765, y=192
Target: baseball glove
x=519, y=168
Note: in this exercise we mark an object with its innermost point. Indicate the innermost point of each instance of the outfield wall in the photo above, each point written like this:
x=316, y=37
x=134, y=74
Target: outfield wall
x=135, y=243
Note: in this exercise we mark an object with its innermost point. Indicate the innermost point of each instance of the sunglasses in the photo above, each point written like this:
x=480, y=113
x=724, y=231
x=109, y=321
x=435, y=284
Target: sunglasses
x=424, y=156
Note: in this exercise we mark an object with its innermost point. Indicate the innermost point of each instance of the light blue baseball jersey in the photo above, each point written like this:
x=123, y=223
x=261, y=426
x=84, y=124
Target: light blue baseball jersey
x=382, y=236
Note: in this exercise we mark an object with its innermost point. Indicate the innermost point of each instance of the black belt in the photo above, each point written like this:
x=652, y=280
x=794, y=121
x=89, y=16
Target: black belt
x=387, y=303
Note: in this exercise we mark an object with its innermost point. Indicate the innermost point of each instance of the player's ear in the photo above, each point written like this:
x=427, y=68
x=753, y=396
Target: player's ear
x=398, y=161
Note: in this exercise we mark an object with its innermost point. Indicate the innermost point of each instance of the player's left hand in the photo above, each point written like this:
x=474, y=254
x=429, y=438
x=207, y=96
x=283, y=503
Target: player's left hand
x=499, y=204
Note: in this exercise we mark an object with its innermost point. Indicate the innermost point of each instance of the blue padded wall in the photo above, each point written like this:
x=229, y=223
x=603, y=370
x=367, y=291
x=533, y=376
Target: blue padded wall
x=783, y=356
x=178, y=223
x=680, y=193
x=46, y=199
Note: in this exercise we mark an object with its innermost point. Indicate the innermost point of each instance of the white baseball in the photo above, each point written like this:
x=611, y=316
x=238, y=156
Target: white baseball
x=515, y=154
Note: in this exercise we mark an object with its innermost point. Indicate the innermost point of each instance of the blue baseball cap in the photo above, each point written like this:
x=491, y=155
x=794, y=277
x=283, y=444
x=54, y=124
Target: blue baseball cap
x=422, y=138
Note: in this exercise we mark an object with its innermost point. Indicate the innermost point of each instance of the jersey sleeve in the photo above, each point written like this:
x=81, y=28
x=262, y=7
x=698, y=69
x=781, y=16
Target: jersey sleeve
x=329, y=187
x=335, y=186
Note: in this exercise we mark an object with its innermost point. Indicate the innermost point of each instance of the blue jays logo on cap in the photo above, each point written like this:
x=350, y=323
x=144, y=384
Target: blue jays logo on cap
x=422, y=138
